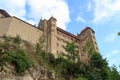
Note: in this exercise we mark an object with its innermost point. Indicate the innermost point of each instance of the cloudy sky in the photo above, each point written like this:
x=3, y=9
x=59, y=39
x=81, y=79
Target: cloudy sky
x=74, y=15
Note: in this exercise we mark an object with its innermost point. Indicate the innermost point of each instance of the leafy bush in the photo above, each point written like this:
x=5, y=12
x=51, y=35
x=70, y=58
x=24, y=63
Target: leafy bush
x=19, y=59
x=11, y=53
x=17, y=40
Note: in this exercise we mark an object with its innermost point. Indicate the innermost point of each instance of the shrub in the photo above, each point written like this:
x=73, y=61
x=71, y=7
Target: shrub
x=19, y=59
x=17, y=40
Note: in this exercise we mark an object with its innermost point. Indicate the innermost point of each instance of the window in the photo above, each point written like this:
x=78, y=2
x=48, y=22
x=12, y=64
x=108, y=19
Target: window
x=94, y=37
x=97, y=48
x=57, y=45
x=95, y=43
x=63, y=46
x=58, y=38
x=72, y=39
x=57, y=52
x=62, y=40
x=76, y=41
x=65, y=41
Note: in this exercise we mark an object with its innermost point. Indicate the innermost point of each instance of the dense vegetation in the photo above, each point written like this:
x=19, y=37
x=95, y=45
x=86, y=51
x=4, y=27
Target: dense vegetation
x=66, y=66
x=10, y=52
x=69, y=67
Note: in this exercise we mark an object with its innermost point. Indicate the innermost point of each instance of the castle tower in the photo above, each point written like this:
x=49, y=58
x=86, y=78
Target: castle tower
x=52, y=33
x=43, y=26
x=49, y=29
x=87, y=43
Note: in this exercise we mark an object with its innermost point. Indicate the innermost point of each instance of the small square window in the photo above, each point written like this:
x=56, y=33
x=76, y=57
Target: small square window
x=57, y=52
x=57, y=45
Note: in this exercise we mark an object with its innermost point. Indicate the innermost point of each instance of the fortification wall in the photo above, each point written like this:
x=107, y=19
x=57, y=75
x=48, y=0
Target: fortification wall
x=4, y=25
x=13, y=26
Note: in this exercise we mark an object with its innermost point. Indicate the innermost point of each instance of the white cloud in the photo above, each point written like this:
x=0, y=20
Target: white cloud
x=105, y=9
x=80, y=19
x=89, y=5
x=48, y=8
x=14, y=7
x=110, y=38
x=37, y=9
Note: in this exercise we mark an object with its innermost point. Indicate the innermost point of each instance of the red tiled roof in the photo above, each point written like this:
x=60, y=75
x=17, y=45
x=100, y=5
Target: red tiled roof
x=87, y=29
x=4, y=13
x=67, y=33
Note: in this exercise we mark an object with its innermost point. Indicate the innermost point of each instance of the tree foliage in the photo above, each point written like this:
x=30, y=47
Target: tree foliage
x=72, y=52
x=69, y=62
x=19, y=59
x=118, y=33
x=113, y=73
x=97, y=69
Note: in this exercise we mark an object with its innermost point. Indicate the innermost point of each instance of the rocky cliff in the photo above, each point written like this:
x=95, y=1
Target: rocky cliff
x=19, y=60
x=36, y=73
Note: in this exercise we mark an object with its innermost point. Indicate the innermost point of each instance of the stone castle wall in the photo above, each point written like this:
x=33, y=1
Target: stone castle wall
x=55, y=38
x=13, y=26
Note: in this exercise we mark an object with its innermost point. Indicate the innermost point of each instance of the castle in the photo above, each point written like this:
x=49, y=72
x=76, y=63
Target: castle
x=55, y=37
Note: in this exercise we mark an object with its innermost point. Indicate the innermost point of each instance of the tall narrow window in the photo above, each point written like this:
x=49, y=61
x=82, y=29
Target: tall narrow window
x=57, y=45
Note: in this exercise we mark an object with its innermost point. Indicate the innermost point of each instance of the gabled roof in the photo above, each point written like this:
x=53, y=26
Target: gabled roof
x=4, y=13
x=87, y=29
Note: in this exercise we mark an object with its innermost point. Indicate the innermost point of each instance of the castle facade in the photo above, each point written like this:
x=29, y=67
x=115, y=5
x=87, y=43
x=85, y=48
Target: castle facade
x=55, y=37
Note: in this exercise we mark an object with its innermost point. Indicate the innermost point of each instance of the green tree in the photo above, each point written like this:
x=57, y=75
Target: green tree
x=114, y=74
x=71, y=60
x=118, y=33
x=72, y=52
x=99, y=66
x=61, y=65
x=89, y=47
